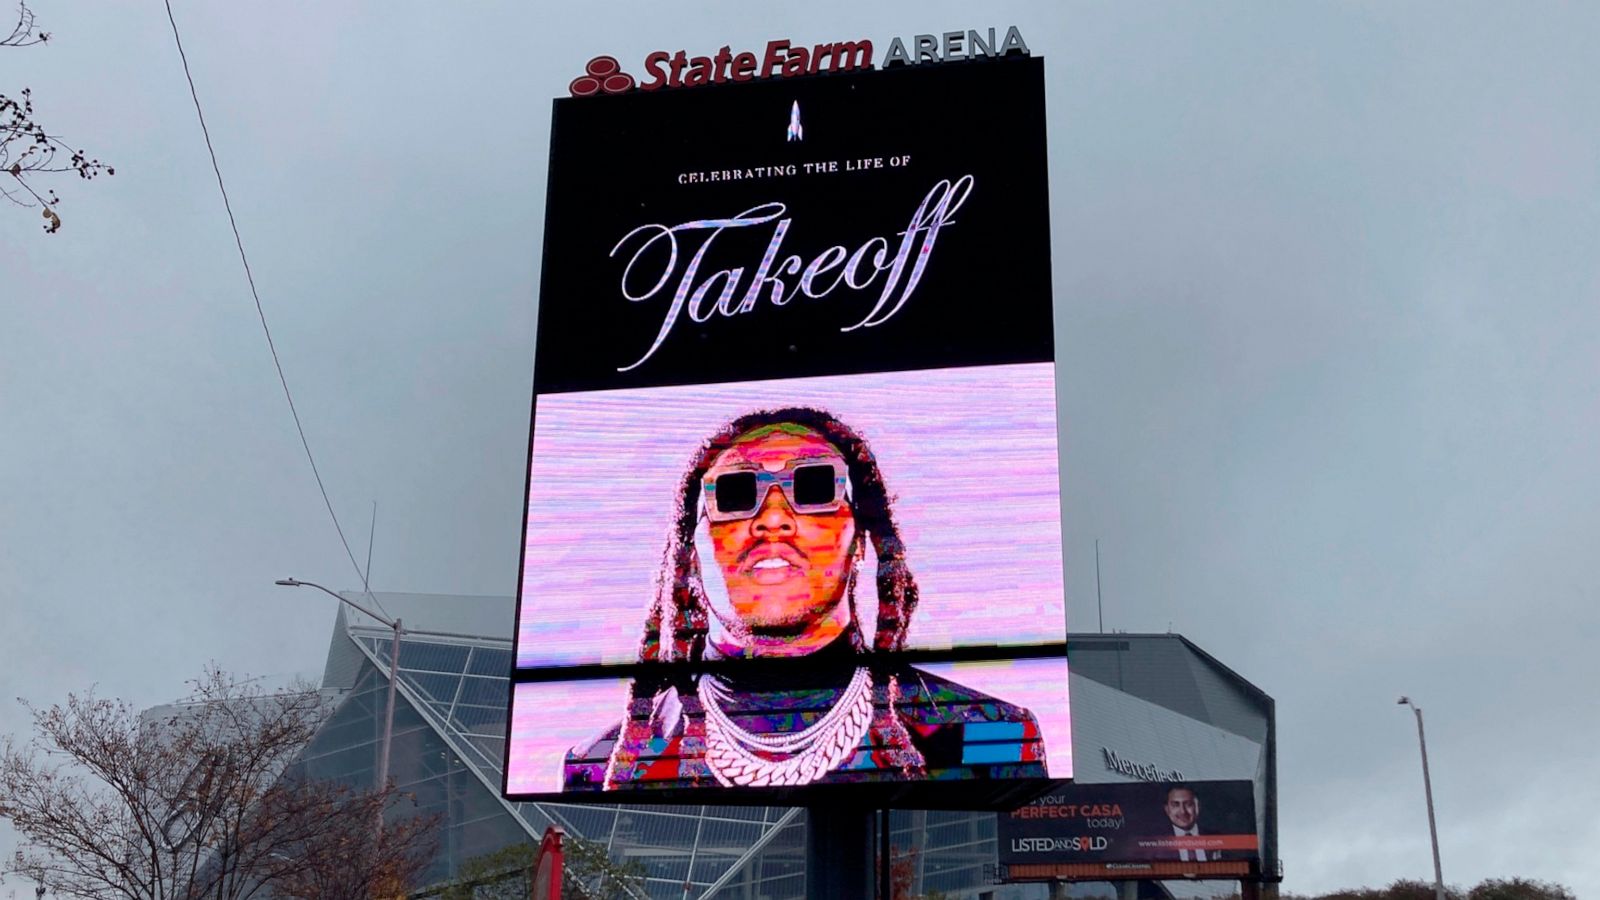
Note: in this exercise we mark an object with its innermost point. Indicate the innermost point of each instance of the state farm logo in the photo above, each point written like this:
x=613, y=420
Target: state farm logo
x=780, y=59
x=603, y=74
x=1068, y=844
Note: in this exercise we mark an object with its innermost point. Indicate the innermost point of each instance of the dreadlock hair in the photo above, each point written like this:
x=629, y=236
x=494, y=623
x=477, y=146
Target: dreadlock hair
x=678, y=620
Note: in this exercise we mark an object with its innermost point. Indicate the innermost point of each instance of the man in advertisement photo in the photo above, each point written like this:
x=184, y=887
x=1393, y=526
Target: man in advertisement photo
x=778, y=517
x=1182, y=808
x=1164, y=822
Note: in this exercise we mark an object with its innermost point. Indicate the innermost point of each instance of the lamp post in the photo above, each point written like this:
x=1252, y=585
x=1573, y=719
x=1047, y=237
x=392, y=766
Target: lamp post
x=394, y=675
x=1427, y=788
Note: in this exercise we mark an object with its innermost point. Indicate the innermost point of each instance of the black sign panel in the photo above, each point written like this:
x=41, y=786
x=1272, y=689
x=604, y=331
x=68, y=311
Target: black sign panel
x=1203, y=821
x=793, y=508
x=816, y=226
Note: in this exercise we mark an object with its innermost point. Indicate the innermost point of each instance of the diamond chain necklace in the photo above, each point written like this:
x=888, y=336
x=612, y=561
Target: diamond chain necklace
x=735, y=753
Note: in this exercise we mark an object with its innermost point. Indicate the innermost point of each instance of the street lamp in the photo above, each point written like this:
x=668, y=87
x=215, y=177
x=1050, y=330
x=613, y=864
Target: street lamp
x=394, y=675
x=1427, y=787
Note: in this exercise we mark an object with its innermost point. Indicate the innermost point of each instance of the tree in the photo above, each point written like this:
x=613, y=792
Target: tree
x=903, y=874
x=347, y=858
x=198, y=799
x=1403, y=889
x=27, y=151
x=588, y=873
x=1488, y=889
x=1519, y=889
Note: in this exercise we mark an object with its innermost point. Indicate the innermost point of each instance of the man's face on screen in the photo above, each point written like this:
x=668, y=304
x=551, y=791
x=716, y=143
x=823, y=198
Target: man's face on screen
x=785, y=571
x=1182, y=807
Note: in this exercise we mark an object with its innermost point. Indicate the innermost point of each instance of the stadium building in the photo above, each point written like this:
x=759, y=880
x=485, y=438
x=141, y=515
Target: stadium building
x=1144, y=707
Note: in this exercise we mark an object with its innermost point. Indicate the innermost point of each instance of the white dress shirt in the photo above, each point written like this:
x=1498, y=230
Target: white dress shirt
x=1187, y=855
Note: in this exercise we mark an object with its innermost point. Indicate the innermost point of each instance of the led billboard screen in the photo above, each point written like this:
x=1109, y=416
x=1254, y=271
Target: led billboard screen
x=1197, y=827
x=793, y=512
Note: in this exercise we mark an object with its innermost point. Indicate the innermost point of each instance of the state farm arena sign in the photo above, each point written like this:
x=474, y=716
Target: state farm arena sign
x=786, y=59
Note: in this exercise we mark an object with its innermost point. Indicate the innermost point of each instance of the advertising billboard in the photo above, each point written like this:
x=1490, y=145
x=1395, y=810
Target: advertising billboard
x=793, y=500
x=1132, y=830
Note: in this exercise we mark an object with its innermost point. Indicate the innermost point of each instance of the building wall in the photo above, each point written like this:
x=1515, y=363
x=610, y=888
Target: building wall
x=1153, y=699
x=1104, y=719
x=421, y=765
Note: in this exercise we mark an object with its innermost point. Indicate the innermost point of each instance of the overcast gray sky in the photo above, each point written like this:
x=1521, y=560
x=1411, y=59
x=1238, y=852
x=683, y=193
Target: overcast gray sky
x=1327, y=323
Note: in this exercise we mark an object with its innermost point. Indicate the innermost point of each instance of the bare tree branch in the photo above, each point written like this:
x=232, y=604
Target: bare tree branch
x=25, y=33
x=198, y=800
x=27, y=151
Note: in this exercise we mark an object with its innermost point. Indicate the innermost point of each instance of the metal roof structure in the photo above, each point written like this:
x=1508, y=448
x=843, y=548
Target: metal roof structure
x=449, y=733
x=1157, y=695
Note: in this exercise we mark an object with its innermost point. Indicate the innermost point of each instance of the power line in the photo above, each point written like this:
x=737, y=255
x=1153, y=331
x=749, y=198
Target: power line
x=261, y=313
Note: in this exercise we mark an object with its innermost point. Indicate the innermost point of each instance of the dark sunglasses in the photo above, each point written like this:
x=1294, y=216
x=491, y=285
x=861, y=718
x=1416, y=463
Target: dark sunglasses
x=809, y=485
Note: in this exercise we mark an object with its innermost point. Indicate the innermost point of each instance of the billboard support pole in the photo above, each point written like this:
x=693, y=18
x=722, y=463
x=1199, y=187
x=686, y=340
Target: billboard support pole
x=839, y=850
x=885, y=859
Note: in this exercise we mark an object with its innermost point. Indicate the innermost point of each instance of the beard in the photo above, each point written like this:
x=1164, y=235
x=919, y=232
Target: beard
x=792, y=625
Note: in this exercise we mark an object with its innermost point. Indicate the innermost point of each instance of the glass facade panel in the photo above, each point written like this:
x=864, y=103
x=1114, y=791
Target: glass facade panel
x=727, y=837
x=777, y=872
x=419, y=656
x=489, y=662
x=591, y=822
x=437, y=688
x=480, y=719
x=422, y=765
x=489, y=748
x=683, y=849
x=486, y=691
